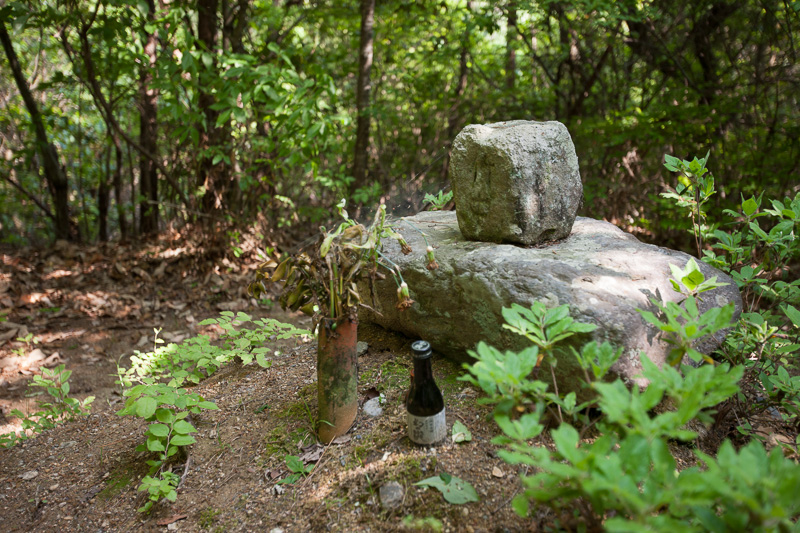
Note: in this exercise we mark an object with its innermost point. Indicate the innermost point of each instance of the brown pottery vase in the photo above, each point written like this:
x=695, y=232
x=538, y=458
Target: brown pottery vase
x=337, y=377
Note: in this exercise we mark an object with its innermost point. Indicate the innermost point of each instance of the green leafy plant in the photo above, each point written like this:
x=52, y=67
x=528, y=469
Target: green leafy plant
x=757, y=248
x=683, y=325
x=29, y=340
x=196, y=358
x=167, y=409
x=55, y=408
x=322, y=282
x=628, y=471
x=692, y=279
x=460, y=432
x=297, y=470
x=153, y=388
x=438, y=201
x=162, y=487
x=454, y=489
x=694, y=189
x=625, y=479
x=545, y=328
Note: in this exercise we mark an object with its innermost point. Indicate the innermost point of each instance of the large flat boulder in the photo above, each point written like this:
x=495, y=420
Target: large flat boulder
x=603, y=273
x=515, y=182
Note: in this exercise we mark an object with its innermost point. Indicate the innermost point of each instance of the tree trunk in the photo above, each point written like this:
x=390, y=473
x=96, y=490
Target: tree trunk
x=148, y=132
x=118, y=195
x=53, y=172
x=233, y=31
x=454, y=117
x=512, y=36
x=209, y=176
x=362, y=93
x=103, y=201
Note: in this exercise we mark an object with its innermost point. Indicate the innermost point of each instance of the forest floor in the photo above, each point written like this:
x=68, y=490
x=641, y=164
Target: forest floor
x=91, y=307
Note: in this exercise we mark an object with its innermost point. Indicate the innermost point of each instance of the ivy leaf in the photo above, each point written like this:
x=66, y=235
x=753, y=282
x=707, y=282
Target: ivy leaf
x=146, y=407
x=155, y=445
x=182, y=440
x=461, y=433
x=455, y=490
x=183, y=427
x=158, y=430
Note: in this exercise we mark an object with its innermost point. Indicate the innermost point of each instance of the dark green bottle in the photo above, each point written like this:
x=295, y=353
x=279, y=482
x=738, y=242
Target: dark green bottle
x=425, y=404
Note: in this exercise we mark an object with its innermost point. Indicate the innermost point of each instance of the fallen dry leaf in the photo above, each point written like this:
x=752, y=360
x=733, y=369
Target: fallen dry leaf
x=312, y=453
x=342, y=439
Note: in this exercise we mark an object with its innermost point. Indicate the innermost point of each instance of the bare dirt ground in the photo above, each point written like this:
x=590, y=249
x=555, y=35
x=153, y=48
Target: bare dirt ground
x=91, y=307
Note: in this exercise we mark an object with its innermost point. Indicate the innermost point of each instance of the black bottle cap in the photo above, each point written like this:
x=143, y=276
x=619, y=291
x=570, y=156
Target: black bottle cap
x=421, y=349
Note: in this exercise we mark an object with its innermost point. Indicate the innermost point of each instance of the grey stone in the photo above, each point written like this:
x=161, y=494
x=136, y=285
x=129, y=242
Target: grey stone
x=373, y=407
x=515, y=182
x=361, y=348
x=603, y=273
x=391, y=494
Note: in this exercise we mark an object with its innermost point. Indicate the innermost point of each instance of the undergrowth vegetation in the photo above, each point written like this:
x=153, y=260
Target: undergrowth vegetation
x=51, y=389
x=612, y=464
x=155, y=388
x=625, y=477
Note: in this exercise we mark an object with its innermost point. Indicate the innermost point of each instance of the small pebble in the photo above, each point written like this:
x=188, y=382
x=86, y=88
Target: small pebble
x=391, y=494
x=361, y=348
x=373, y=408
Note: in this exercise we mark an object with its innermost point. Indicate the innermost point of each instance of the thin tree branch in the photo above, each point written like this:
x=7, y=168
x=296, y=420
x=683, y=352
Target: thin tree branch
x=91, y=83
x=30, y=195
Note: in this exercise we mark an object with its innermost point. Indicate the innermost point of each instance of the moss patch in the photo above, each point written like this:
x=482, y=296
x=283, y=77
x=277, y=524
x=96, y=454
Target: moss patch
x=116, y=483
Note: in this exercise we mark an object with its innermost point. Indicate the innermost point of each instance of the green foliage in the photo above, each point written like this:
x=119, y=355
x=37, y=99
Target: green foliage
x=272, y=106
x=503, y=375
x=684, y=326
x=153, y=389
x=543, y=327
x=167, y=409
x=438, y=201
x=163, y=487
x=56, y=406
x=461, y=433
x=693, y=191
x=297, y=470
x=628, y=470
x=625, y=479
x=196, y=358
x=756, y=250
x=693, y=279
x=454, y=489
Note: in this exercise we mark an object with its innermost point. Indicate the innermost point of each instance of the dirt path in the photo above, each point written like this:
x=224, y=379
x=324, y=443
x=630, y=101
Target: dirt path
x=93, y=307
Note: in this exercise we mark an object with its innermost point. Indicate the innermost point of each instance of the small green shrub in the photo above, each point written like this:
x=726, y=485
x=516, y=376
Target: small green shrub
x=197, y=358
x=166, y=408
x=759, y=249
x=625, y=479
x=438, y=201
x=297, y=470
x=153, y=388
x=57, y=408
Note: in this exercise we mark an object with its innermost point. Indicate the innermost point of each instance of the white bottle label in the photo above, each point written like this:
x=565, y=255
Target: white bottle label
x=427, y=429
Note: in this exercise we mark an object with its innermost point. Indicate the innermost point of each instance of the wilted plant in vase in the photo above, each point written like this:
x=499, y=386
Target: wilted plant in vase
x=322, y=281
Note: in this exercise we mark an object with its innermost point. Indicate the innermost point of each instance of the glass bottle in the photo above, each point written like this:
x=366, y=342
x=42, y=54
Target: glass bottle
x=425, y=404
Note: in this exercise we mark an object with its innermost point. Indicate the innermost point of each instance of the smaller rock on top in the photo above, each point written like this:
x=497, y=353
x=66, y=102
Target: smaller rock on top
x=515, y=182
